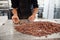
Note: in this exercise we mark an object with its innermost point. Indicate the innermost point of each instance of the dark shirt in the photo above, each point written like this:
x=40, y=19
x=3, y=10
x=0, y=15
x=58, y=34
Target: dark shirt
x=24, y=7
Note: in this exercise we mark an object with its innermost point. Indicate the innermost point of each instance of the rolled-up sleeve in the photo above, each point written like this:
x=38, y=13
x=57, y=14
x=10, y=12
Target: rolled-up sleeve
x=14, y=3
x=35, y=3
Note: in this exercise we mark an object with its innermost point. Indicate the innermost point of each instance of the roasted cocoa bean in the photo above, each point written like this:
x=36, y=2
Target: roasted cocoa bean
x=38, y=28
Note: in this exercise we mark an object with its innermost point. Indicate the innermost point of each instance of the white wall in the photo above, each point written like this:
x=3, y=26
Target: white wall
x=57, y=2
x=9, y=3
x=40, y=3
x=46, y=7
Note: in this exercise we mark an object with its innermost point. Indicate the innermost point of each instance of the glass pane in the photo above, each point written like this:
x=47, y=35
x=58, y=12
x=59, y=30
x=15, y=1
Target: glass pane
x=57, y=9
x=41, y=8
x=4, y=7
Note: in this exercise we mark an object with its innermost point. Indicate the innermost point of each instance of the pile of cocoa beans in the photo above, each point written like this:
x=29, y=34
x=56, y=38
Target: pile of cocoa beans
x=38, y=28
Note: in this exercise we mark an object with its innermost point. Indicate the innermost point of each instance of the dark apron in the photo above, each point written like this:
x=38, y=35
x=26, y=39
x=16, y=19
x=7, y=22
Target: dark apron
x=24, y=9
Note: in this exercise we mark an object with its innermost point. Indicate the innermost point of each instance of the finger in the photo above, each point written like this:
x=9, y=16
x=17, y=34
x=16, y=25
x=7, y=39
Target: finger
x=15, y=20
x=30, y=19
x=18, y=20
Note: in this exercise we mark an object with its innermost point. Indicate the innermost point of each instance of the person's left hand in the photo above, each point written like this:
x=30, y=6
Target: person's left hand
x=31, y=18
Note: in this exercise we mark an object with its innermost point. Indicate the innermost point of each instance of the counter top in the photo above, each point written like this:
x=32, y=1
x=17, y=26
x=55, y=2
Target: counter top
x=7, y=32
x=3, y=19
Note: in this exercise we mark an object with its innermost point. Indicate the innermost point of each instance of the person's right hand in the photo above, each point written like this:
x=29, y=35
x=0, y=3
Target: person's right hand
x=15, y=19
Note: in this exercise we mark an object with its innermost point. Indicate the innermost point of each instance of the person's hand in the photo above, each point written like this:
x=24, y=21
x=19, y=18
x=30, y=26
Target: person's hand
x=15, y=19
x=31, y=18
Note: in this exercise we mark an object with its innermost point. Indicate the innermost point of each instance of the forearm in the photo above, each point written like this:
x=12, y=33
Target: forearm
x=14, y=11
x=35, y=11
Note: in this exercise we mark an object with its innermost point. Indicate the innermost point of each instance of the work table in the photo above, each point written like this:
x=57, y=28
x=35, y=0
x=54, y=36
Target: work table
x=7, y=32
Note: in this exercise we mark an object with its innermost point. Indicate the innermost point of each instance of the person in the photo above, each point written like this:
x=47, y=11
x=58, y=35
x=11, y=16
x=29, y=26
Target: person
x=24, y=9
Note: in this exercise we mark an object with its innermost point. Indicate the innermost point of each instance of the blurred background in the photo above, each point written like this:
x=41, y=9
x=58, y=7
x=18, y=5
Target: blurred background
x=48, y=9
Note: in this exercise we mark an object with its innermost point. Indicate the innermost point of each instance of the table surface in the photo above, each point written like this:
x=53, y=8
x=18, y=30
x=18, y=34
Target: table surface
x=7, y=32
x=3, y=19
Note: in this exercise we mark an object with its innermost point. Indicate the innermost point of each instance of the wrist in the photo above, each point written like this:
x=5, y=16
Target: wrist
x=33, y=14
x=14, y=11
x=15, y=14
